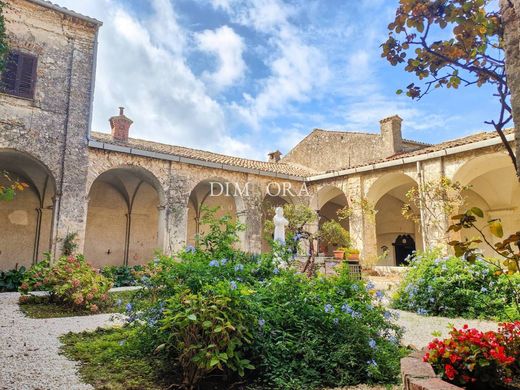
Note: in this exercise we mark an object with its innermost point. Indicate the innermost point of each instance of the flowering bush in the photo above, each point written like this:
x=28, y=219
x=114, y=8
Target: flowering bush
x=450, y=286
x=221, y=313
x=71, y=281
x=475, y=359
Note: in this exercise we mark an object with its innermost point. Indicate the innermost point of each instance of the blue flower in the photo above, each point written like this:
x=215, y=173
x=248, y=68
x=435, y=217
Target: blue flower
x=239, y=267
x=346, y=309
x=392, y=339
x=372, y=363
x=380, y=294
x=422, y=312
x=372, y=343
x=233, y=285
x=276, y=271
x=355, y=314
x=336, y=321
x=329, y=308
x=129, y=307
x=355, y=287
x=370, y=286
x=213, y=263
x=190, y=249
x=223, y=262
x=387, y=315
x=119, y=302
x=432, y=300
x=483, y=290
x=261, y=322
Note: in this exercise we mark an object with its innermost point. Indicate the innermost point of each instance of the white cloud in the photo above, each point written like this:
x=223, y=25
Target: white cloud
x=297, y=69
x=142, y=65
x=227, y=46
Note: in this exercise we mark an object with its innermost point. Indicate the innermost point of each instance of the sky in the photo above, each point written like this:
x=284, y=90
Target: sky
x=247, y=77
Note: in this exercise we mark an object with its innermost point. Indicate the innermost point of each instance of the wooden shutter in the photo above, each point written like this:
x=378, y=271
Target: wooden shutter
x=19, y=75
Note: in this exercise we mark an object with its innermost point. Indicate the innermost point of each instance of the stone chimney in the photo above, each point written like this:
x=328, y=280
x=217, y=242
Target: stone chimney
x=274, y=157
x=120, y=126
x=391, y=133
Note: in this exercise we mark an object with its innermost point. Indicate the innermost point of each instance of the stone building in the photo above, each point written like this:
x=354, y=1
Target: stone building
x=126, y=198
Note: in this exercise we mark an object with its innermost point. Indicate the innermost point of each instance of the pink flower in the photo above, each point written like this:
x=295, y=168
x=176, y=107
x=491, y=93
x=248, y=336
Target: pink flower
x=75, y=283
x=78, y=300
x=94, y=308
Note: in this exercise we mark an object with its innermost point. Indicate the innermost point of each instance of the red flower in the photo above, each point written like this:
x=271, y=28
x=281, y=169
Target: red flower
x=450, y=371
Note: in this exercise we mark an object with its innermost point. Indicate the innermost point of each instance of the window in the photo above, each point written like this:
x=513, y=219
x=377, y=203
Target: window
x=19, y=75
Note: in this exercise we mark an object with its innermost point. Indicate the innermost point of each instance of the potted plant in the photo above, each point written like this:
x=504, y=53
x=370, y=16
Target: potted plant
x=353, y=254
x=336, y=235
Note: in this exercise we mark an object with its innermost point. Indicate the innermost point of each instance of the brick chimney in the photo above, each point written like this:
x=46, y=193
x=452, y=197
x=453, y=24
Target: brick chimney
x=274, y=157
x=391, y=133
x=120, y=126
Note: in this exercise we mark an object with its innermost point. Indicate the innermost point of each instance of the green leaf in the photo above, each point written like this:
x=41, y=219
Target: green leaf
x=192, y=317
x=214, y=361
x=478, y=212
x=495, y=227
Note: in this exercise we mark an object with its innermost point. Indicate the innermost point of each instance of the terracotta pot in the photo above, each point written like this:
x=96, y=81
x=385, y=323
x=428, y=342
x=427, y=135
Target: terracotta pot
x=339, y=255
x=353, y=256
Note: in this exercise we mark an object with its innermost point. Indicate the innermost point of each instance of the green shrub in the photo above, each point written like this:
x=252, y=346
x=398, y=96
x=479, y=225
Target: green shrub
x=70, y=281
x=453, y=287
x=322, y=332
x=122, y=275
x=215, y=312
x=12, y=279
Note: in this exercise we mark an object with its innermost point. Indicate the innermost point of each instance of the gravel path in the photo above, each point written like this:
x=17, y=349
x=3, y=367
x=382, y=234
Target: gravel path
x=418, y=329
x=29, y=348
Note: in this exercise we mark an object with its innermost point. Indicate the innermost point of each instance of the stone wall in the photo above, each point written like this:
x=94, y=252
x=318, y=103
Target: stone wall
x=324, y=150
x=53, y=126
x=511, y=16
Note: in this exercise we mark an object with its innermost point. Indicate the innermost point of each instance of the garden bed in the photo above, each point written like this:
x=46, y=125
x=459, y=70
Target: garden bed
x=41, y=306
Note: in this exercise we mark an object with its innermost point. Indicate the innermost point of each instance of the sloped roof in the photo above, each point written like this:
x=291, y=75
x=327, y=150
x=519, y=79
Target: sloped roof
x=202, y=155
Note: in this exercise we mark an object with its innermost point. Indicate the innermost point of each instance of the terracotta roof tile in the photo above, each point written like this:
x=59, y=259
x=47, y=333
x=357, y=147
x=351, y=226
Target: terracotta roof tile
x=279, y=167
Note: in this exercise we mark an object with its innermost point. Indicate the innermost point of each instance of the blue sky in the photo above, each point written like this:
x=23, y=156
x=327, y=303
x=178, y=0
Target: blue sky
x=246, y=77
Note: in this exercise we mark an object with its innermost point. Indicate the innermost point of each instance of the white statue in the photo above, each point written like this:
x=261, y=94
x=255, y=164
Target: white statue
x=279, y=225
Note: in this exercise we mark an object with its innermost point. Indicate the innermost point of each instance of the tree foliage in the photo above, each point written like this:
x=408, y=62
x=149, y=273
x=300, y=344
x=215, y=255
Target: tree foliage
x=9, y=186
x=451, y=43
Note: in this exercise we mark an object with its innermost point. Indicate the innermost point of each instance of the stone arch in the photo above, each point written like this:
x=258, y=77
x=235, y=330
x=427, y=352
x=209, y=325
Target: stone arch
x=387, y=193
x=327, y=201
x=493, y=187
x=212, y=192
x=125, y=218
x=27, y=220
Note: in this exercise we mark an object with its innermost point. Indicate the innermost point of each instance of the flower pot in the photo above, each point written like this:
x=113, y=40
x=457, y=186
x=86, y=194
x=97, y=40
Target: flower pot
x=353, y=256
x=339, y=255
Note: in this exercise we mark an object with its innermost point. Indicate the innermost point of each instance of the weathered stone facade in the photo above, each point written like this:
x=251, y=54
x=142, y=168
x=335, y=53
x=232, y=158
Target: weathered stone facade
x=126, y=198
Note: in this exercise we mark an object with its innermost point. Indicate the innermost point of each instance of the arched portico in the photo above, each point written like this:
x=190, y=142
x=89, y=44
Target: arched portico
x=494, y=188
x=211, y=193
x=394, y=234
x=27, y=220
x=125, y=220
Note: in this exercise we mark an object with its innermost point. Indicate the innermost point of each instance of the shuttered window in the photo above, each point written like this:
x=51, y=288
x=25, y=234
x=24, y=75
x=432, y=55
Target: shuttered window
x=19, y=75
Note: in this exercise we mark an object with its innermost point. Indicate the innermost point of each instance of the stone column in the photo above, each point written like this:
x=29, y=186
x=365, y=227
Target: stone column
x=176, y=212
x=251, y=217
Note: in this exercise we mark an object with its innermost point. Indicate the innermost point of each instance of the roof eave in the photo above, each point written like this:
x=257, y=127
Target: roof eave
x=66, y=11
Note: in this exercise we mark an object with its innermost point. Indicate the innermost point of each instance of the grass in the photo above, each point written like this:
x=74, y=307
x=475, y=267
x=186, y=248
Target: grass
x=41, y=307
x=108, y=362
